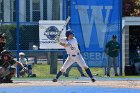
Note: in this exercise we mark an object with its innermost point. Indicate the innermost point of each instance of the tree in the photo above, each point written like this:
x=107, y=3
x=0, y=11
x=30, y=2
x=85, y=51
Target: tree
x=131, y=7
x=136, y=8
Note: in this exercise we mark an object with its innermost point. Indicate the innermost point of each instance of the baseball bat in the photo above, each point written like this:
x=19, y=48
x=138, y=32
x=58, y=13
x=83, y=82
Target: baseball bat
x=66, y=22
x=63, y=27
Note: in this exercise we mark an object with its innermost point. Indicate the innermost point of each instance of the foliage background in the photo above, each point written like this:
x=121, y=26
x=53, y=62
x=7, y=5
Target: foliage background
x=131, y=8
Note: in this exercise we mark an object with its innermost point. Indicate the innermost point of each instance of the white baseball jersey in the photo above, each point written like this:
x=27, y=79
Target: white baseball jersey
x=73, y=54
x=73, y=45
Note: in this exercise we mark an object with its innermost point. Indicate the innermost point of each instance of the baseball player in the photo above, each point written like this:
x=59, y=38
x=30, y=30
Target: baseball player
x=112, y=50
x=7, y=67
x=71, y=46
x=24, y=61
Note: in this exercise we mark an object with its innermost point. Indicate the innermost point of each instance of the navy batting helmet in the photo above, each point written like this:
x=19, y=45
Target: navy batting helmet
x=69, y=32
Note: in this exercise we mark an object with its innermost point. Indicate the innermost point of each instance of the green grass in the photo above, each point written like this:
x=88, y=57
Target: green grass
x=42, y=71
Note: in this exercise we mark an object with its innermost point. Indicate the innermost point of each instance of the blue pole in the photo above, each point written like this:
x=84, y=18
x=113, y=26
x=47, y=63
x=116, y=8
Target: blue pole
x=17, y=33
x=120, y=11
x=65, y=9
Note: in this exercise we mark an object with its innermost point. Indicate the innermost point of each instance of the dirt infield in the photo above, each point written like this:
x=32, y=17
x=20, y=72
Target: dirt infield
x=117, y=84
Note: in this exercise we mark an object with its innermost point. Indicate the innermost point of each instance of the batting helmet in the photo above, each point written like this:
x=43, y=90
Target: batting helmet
x=5, y=52
x=69, y=32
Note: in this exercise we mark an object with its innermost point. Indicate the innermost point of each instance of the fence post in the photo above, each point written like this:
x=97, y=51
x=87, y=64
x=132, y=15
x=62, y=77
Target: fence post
x=49, y=57
x=35, y=59
x=120, y=66
x=53, y=63
x=17, y=33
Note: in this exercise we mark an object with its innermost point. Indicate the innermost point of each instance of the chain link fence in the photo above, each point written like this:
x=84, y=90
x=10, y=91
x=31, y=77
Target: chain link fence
x=25, y=15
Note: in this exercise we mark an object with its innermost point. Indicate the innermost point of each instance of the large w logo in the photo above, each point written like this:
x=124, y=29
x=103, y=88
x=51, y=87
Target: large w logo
x=99, y=17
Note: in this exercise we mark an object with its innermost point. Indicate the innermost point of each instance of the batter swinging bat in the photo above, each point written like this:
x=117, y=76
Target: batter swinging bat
x=63, y=27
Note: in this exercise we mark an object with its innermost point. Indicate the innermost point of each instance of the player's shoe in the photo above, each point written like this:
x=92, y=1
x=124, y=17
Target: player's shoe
x=83, y=75
x=7, y=81
x=54, y=80
x=93, y=80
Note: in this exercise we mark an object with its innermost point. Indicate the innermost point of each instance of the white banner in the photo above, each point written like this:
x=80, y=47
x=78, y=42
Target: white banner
x=48, y=30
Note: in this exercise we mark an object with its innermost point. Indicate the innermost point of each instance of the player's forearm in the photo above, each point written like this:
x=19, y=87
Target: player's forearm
x=63, y=44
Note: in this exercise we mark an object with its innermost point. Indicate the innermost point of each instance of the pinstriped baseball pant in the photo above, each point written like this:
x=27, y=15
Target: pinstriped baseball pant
x=72, y=59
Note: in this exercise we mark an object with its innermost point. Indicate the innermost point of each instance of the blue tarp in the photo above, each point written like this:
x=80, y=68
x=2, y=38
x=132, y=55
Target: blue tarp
x=94, y=22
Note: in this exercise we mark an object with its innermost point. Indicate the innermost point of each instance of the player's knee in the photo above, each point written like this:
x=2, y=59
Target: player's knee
x=12, y=71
